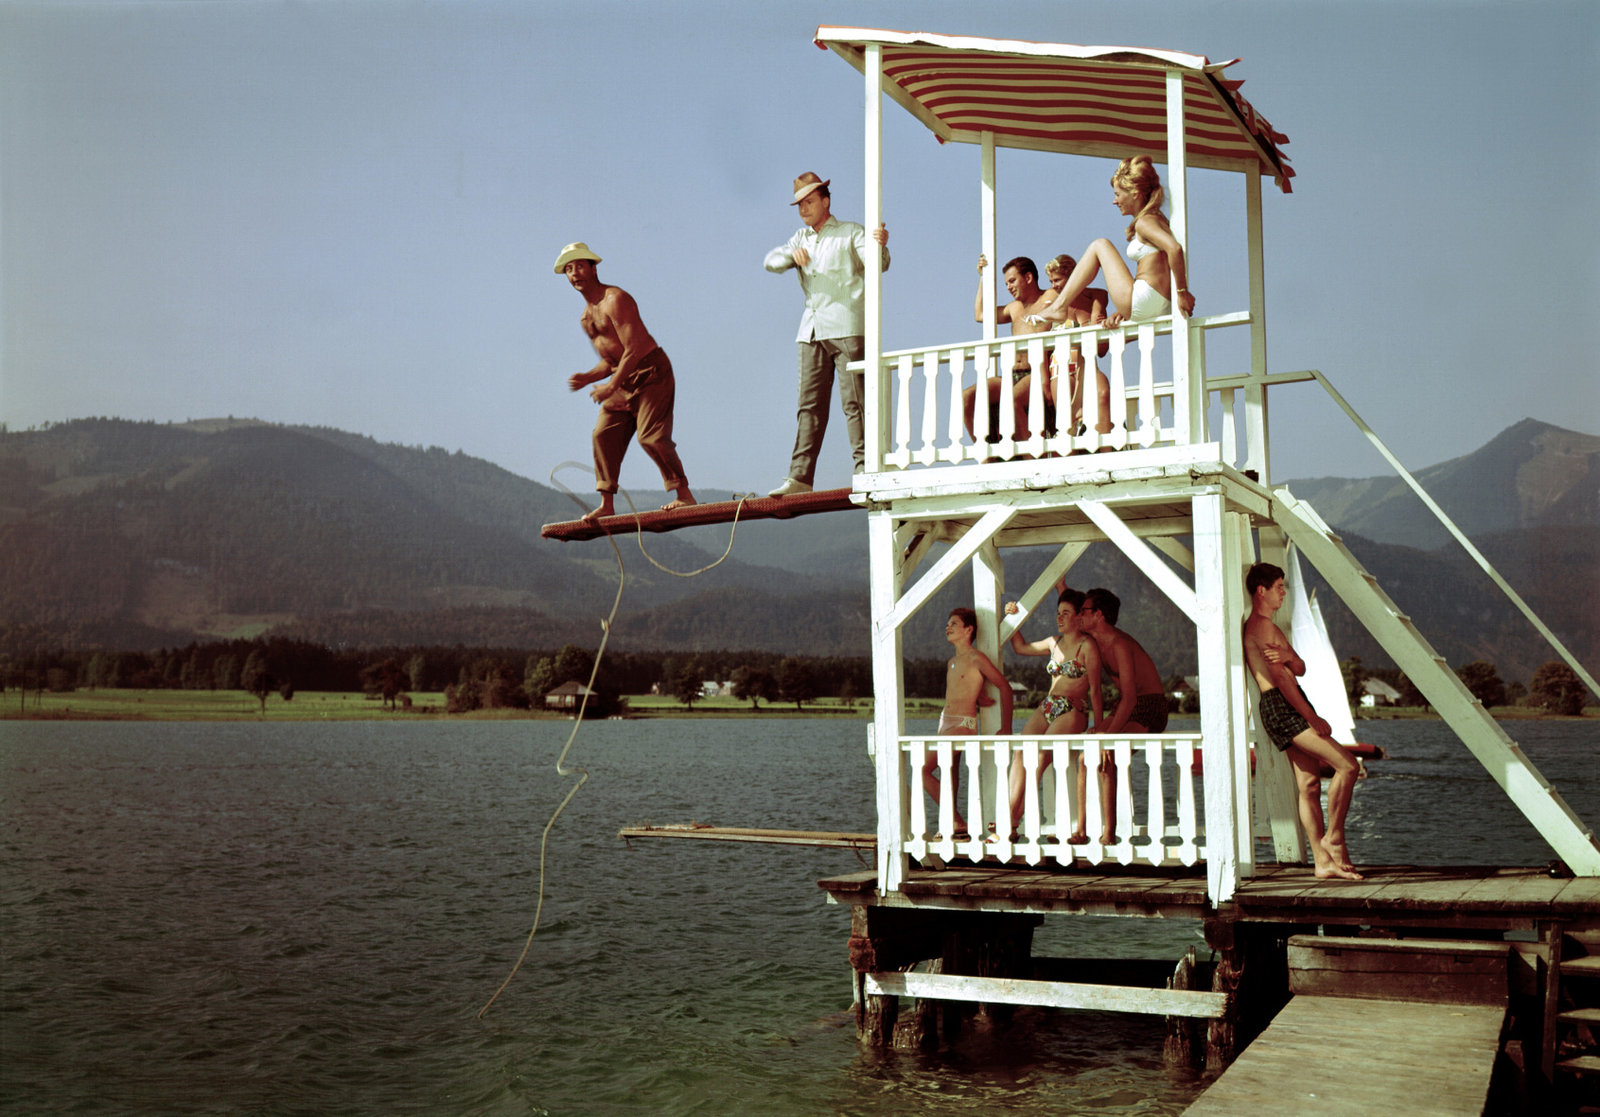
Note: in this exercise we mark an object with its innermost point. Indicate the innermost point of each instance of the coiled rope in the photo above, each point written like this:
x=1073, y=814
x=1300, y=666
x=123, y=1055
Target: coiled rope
x=605, y=629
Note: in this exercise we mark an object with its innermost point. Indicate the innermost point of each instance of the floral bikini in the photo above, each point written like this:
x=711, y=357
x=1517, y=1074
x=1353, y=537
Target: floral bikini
x=1056, y=706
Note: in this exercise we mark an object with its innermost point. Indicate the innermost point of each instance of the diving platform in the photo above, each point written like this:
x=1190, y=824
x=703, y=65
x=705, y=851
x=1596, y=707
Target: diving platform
x=1167, y=461
x=699, y=515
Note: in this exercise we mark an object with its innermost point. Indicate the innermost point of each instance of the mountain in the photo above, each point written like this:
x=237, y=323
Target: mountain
x=1530, y=475
x=134, y=535
x=116, y=531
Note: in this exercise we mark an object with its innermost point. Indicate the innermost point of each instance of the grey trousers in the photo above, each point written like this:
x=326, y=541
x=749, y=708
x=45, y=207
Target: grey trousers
x=819, y=362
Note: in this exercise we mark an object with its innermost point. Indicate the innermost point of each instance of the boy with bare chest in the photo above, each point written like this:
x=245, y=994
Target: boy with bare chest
x=969, y=671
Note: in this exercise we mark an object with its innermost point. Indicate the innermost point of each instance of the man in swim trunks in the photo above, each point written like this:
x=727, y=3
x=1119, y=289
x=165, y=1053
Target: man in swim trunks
x=635, y=388
x=1022, y=283
x=1142, y=705
x=969, y=671
x=1294, y=726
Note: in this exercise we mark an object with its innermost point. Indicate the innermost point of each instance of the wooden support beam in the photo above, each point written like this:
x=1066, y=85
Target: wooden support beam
x=1143, y=557
x=901, y=610
x=1046, y=994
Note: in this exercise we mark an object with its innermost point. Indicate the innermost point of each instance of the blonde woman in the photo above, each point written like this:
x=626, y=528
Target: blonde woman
x=1136, y=192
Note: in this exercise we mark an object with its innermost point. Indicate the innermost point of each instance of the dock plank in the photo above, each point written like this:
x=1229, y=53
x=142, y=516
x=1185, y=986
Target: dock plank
x=1343, y=1057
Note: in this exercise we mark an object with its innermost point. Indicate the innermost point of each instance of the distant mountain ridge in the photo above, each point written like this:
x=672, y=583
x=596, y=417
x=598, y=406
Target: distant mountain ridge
x=130, y=535
x=1530, y=475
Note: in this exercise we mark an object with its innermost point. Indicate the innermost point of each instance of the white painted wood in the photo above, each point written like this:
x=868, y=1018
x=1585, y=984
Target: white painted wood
x=900, y=446
x=1258, y=449
x=989, y=234
x=876, y=417
x=928, y=451
x=1042, y=586
x=1149, y=419
x=1188, y=820
x=1143, y=557
x=1047, y=994
x=1155, y=811
x=988, y=589
x=1219, y=645
x=1500, y=756
x=884, y=549
x=897, y=613
x=1173, y=549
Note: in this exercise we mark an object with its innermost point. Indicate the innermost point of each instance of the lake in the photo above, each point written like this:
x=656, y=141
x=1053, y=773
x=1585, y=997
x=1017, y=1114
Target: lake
x=305, y=919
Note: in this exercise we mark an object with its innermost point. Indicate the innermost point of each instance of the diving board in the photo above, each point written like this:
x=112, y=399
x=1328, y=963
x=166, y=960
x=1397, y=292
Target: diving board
x=698, y=515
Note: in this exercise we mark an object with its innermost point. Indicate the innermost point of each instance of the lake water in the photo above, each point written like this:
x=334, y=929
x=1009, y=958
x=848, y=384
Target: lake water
x=305, y=919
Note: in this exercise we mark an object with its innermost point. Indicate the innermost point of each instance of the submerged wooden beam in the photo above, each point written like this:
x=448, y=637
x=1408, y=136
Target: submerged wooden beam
x=698, y=515
x=822, y=838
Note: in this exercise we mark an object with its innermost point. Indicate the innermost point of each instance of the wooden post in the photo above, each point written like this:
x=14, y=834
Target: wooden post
x=1253, y=973
x=1182, y=1050
x=888, y=688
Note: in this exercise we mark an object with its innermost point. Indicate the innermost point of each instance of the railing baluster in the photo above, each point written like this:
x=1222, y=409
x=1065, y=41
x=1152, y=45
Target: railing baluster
x=956, y=449
x=1155, y=811
x=928, y=452
x=916, y=754
x=900, y=447
x=1149, y=418
x=1188, y=829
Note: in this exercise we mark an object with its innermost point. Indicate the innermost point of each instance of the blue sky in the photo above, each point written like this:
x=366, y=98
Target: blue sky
x=345, y=213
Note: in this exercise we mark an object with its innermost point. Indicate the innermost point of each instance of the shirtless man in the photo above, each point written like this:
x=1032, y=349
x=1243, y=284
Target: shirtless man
x=1022, y=281
x=638, y=390
x=1142, y=705
x=1287, y=716
x=1088, y=309
x=969, y=670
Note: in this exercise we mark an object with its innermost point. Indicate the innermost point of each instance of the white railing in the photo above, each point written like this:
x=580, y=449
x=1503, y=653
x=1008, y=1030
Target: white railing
x=1157, y=812
x=919, y=391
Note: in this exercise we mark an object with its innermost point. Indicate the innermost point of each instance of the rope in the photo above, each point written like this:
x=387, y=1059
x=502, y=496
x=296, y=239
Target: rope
x=605, y=628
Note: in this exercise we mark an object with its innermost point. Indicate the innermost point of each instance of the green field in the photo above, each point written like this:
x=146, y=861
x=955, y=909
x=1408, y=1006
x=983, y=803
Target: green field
x=236, y=705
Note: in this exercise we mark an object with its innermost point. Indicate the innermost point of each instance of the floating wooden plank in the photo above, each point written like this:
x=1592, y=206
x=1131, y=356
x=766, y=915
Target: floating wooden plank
x=698, y=515
x=821, y=838
x=1345, y=1057
x=1047, y=994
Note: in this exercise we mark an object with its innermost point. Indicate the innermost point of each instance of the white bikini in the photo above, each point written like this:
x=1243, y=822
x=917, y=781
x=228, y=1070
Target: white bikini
x=1147, y=301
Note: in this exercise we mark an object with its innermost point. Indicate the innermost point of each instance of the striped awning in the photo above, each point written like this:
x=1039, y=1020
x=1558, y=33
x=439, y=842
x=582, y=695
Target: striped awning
x=1081, y=100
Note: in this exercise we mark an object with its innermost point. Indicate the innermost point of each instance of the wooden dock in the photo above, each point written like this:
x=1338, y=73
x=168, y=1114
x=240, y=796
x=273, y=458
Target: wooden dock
x=699, y=515
x=1346, y=1057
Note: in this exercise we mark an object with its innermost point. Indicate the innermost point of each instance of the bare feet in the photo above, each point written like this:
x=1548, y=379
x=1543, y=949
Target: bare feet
x=598, y=514
x=673, y=505
x=1109, y=838
x=1339, y=865
x=1079, y=838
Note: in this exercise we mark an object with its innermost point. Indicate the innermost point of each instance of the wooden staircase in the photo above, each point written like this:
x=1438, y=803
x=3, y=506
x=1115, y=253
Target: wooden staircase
x=1572, y=1048
x=1500, y=756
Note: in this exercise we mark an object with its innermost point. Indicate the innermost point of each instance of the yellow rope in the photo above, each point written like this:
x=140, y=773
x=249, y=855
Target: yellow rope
x=605, y=628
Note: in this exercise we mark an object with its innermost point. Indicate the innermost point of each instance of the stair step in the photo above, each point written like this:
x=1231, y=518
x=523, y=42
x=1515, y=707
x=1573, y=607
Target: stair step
x=1583, y=1064
x=1580, y=1016
x=1587, y=966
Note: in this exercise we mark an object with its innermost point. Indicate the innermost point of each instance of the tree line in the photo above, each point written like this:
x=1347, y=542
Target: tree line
x=492, y=678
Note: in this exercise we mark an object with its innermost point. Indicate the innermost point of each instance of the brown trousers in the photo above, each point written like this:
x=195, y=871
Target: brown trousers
x=646, y=410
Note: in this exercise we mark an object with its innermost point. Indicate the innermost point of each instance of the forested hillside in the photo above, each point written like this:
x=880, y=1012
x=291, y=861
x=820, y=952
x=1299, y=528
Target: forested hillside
x=132, y=536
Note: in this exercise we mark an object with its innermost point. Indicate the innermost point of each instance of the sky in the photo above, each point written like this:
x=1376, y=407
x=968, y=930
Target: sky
x=345, y=214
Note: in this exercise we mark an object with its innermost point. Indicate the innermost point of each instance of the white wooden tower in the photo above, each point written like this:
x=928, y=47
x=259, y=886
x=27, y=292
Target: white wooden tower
x=1186, y=458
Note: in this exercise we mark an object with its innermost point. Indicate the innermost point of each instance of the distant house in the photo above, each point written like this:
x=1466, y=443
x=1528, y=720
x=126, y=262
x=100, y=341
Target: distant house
x=567, y=696
x=1376, y=692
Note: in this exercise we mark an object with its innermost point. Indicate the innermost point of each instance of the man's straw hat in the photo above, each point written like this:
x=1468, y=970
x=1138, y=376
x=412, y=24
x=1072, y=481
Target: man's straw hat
x=577, y=250
x=805, y=184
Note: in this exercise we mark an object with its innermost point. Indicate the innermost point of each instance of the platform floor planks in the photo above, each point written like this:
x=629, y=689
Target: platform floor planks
x=698, y=515
x=1349, y=1057
x=1395, y=895
x=829, y=839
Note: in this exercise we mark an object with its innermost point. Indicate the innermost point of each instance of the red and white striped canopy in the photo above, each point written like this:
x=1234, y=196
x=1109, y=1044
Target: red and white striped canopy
x=1103, y=101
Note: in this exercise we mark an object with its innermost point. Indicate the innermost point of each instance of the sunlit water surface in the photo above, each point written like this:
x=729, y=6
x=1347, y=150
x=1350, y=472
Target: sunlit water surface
x=305, y=919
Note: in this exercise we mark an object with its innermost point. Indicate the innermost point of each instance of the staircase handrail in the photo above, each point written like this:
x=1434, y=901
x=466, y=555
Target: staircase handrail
x=1460, y=537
